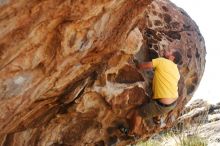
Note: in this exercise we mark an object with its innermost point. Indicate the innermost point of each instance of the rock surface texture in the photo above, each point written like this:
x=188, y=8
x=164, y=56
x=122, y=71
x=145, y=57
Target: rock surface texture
x=66, y=71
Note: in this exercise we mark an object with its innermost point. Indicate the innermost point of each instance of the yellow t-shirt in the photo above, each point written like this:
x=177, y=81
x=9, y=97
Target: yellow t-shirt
x=166, y=77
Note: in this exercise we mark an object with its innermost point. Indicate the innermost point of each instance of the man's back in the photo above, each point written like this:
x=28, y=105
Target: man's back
x=166, y=77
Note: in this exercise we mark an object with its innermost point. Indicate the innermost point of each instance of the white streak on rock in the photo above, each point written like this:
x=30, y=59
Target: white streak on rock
x=19, y=80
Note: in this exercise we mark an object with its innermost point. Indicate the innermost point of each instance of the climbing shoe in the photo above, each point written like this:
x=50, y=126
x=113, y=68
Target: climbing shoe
x=123, y=129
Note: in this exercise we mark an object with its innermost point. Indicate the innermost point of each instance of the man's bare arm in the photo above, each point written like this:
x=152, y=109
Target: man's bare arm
x=146, y=65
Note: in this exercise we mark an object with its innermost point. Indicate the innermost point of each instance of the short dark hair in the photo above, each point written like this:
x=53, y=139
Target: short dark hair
x=178, y=57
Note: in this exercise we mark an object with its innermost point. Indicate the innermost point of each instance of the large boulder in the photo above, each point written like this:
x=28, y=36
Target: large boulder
x=66, y=70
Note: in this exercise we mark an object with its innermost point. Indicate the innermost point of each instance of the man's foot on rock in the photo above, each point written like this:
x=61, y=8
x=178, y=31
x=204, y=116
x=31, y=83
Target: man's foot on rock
x=123, y=129
x=160, y=120
x=157, y=120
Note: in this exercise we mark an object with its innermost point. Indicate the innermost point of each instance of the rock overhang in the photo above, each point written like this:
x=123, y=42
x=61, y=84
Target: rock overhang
x=66, y=67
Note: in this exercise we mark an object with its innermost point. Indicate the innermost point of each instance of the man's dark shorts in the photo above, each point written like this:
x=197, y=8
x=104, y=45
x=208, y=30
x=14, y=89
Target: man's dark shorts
x=155, y=108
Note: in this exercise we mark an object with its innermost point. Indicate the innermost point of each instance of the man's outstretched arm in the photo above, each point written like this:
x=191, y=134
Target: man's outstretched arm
x=146, y=65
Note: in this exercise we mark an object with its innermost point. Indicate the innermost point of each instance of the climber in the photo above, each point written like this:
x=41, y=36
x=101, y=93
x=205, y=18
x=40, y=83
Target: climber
x=164, y=87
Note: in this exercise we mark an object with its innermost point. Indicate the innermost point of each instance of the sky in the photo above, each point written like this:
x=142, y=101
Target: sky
x=206, y=14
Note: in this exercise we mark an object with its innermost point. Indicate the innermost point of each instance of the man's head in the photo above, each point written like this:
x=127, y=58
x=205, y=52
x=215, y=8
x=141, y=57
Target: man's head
x=175, y=56
x=178, y=57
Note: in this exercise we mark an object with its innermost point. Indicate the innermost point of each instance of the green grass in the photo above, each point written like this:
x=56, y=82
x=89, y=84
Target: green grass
x=192, y=141
x=149, y=143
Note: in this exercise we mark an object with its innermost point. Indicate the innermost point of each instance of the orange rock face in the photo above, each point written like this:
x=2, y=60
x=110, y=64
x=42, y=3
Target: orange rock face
x=66, y=70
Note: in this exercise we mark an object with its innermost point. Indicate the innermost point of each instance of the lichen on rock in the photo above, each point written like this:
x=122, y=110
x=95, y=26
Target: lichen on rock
x=66, y=70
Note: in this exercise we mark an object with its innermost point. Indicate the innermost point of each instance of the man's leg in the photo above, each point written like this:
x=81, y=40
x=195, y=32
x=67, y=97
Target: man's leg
x=146, y=111
x=150, y=110
x=136, y=123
